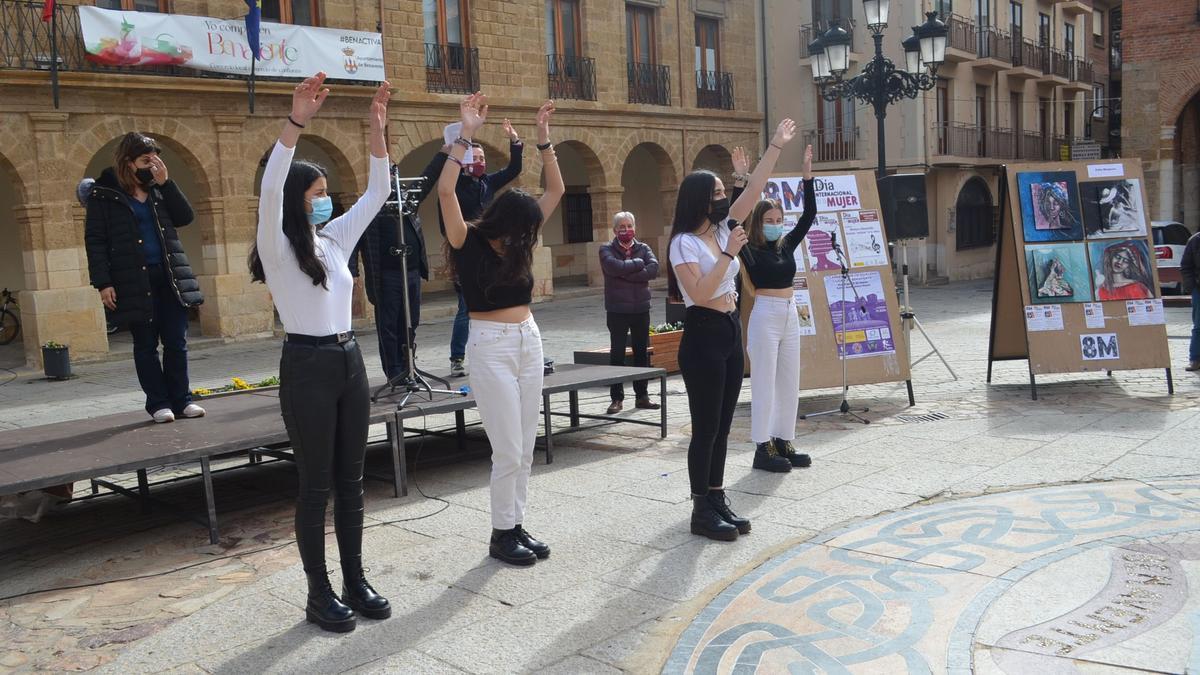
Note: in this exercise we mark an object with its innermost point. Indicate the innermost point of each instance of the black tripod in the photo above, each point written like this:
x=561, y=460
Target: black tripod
x=844, y=408
x=414, y=379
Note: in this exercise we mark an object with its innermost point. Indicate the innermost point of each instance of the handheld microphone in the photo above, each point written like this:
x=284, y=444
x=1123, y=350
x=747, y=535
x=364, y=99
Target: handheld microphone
x=833, y=239
x=745, y=252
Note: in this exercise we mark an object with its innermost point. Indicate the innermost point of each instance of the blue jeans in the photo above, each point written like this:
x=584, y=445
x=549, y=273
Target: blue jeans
x=165, y=383
x=462, y=329
x=1194, y=347
x=389, y=318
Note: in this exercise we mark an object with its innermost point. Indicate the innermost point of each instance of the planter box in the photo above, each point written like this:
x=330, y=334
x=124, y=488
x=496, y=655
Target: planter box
x=665, y=350
x=56, y=363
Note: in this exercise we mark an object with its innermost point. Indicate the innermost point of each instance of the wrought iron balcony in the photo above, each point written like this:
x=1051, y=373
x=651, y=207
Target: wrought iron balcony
x=962, y=34
x=1036, y=146
x=649, y=83
x=571, y=77
x=714, y=90
x=1060, y=64
x=965, y=139
x=1029, y=54
x=839, y=144
x=451, y=69
x=1083, y=72
x=993, y=43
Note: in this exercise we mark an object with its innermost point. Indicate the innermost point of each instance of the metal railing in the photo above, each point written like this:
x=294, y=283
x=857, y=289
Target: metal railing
x=1001, y=143
x=965, y=139
x=1060, y=64
x=649, y=83
x=714, y=90
x=1084, y=71
x=838, y=144
x=451, y=69
x=1028, y=54
x=962, y=34
x=25, y=44
x=1041, y=147
x=993, y=43
x=571, y=77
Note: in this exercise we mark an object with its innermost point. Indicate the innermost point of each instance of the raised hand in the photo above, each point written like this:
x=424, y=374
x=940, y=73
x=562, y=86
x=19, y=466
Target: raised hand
x=741, y=163
x=808, y=162
x=158, y=169
x=473, y=110
x=543, y=122
x=512, y=133
x=784, y=133
x=379, y=106
x=308, y=97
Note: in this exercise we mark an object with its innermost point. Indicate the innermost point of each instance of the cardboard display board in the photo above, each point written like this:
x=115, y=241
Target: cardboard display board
x=848, y=208
x=1076, y=287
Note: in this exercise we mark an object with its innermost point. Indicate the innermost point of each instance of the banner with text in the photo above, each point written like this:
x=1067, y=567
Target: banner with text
x=117, y=38
x=834, y=193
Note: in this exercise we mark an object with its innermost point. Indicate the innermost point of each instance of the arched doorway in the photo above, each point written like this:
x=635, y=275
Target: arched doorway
x=574, y=224
x=973, y=216
x=650, y=181
x=12, y=259
x=1187, y=157
x=714, y=158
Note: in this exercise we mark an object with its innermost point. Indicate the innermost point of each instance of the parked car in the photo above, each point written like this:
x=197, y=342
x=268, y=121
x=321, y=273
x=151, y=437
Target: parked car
x=1169, y=239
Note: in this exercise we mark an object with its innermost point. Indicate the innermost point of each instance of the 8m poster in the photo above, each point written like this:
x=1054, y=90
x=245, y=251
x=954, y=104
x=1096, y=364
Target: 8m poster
x=868, y=330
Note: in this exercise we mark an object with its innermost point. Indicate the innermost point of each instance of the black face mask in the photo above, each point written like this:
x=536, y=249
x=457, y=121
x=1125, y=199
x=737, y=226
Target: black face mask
x=718, y=211
x=144, y=176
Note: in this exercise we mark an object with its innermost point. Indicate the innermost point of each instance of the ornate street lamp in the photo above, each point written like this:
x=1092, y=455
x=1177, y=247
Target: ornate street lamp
x=880, y=83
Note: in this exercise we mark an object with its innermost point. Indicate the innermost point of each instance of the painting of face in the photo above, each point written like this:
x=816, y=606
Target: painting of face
x=1050, y=206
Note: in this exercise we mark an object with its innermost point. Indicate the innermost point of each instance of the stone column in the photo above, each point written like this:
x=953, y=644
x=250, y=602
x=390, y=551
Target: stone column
x=606, y=202
x=1166, y=174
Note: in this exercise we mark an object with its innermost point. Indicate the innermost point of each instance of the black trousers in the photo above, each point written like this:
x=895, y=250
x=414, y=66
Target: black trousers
x=711, y=361
x=165, y=382
x=620, y=325
x=326, y=406
x=389, y=317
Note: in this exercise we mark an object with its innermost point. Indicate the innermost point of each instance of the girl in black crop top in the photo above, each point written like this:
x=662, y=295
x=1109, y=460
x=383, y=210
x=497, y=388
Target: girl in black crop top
x=773, y=333
x=493, y=260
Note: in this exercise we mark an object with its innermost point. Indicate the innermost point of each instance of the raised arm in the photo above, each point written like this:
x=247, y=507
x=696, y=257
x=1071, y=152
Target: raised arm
x=509, y=173
x=793, y=238
x=431, y=173
x=348, y=228
x=307, y=98
x=554, y=180
x=741, y=208
x=473, y=111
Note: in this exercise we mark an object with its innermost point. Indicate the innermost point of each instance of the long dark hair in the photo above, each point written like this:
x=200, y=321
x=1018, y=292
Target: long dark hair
x=691, y=211
x=301, y=176
x=514, y=219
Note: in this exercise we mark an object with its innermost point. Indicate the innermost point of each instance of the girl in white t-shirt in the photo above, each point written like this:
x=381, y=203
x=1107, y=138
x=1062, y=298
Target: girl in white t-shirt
x=702, y=268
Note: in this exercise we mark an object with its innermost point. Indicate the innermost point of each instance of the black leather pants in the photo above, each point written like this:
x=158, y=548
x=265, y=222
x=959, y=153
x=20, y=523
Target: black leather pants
x=325, y=401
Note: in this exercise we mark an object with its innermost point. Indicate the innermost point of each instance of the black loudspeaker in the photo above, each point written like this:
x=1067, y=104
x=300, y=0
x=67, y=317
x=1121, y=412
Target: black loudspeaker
x=905, y=215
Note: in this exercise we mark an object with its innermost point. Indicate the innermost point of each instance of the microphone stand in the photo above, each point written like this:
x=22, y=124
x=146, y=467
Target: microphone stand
x=414, y=380
x=844, y=408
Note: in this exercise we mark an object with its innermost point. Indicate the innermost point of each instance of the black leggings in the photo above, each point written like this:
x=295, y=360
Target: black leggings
x=326, y=406
x=711, y=361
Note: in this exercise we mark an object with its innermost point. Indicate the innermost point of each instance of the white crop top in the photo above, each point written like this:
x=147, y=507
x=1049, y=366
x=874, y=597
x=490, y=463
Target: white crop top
x=689, y=248
x=304, y=308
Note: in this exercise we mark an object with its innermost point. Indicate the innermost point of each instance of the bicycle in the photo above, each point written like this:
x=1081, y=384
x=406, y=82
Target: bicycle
x=10, y=323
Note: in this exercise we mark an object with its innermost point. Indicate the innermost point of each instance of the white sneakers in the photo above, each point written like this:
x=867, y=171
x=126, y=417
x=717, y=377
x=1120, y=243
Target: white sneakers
x=165, y=415
x=193, y=410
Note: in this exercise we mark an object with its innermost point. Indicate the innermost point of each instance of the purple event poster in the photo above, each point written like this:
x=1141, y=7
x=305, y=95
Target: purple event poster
x=868, y=327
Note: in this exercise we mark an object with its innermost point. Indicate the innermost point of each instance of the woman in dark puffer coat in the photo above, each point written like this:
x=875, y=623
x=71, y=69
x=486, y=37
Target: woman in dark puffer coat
x=137, y=263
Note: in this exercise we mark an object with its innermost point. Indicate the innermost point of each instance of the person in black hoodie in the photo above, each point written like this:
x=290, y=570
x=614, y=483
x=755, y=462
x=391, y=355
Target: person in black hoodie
x=137, y=263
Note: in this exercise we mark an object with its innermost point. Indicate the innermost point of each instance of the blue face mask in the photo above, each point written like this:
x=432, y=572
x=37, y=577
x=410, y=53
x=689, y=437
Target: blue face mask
x=322, y=210
x=773, y=232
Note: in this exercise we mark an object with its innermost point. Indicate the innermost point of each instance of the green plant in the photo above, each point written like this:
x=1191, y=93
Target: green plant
x=237, y=384
x=52, y=344
x=666, y=328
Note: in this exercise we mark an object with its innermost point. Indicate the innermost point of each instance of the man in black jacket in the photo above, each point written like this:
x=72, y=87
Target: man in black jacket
x=1189, y=270
x=475, y=190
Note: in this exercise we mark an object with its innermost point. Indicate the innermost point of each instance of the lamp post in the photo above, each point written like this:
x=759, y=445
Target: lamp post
x=880, y=83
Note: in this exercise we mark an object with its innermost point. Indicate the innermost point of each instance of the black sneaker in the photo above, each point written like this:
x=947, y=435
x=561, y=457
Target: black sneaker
x=540, y=549
x=456, y=368
x=768, y=459
x=785, y=449
x=506, y=546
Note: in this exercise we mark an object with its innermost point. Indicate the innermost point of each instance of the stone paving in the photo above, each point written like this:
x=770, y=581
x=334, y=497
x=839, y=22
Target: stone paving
x=627, y=587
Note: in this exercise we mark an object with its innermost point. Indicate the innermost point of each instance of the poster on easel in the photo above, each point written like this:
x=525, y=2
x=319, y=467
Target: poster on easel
x=848, y=214
x=1076, y=287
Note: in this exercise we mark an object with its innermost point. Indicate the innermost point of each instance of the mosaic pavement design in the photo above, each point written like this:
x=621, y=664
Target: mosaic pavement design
x=1059, y=580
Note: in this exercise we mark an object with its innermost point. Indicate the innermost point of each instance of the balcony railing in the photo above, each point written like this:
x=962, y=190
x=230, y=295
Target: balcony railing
x=811, y=31
x=1084, y=71
x=1028, y=54
x=25, y=45
x=649, y=83
x=962, y=34
x=1036, y=146
x=714, y=90
x=571, y=77
x=964, y=139
x=1060, y=64
x=451, y=69
x=992, y=43
x=833, y=145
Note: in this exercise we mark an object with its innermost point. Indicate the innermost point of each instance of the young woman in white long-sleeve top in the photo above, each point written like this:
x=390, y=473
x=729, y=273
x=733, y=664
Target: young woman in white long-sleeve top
x=323, y=390
x=492, y=258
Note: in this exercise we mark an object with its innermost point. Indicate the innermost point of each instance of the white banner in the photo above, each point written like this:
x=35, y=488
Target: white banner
x=117, y=38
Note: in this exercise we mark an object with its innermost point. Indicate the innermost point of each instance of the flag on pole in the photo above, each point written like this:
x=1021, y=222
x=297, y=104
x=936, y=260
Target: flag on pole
x=47, y=10
x=253, y=21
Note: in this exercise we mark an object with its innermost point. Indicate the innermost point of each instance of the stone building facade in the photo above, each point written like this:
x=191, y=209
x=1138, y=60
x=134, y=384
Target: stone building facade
x=1160, y=53
x=616, y=154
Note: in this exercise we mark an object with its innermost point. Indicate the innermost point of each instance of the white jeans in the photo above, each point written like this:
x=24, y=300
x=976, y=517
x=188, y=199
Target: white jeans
x=506, y=377
x=773, y=343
